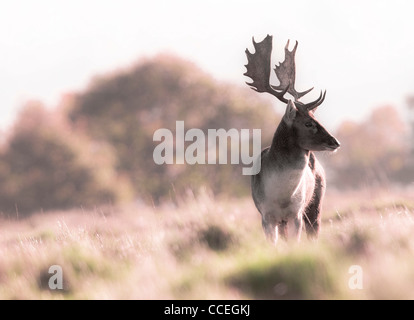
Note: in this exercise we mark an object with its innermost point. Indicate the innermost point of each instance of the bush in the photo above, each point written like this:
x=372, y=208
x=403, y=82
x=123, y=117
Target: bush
x=45, y=165
x=374, y=152
x=126, y=108
x=216, y=238
x=305, y=275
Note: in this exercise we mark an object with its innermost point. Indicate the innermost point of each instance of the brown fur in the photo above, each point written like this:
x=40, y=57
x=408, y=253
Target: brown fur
x=297, y=191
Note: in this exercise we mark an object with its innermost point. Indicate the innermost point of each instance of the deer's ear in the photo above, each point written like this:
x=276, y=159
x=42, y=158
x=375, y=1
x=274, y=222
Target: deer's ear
x=290, y=113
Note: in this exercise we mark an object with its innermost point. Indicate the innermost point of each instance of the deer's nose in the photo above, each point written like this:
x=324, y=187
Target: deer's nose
x=334, y=143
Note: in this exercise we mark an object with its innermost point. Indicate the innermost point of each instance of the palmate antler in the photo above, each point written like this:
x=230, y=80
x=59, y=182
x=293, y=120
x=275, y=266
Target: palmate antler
x=286, y=73
x=258, y=69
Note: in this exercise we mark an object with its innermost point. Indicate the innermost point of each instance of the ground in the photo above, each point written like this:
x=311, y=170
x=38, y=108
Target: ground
x=211, y=248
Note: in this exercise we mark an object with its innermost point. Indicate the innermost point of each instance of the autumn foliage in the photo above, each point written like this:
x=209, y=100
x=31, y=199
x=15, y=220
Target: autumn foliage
x=45, y=165
x=97, y=147
x=374, y=152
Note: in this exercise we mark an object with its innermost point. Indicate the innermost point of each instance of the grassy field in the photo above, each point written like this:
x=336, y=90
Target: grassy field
x=207, y=248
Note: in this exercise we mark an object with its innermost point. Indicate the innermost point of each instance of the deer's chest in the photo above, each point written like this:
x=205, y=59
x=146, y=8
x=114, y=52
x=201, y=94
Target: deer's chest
x=287, y=192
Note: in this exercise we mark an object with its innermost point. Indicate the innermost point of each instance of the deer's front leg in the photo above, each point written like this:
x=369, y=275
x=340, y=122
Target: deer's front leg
x=270, y=227
x=298, y=227
x=282, y=229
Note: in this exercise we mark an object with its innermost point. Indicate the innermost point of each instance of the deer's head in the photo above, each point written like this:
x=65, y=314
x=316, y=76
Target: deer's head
x=299, y=117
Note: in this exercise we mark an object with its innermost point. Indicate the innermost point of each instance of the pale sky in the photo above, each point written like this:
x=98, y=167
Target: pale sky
x=361, y=52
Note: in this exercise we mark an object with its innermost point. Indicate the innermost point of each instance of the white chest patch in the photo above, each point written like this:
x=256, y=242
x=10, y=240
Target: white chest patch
x=286, y=193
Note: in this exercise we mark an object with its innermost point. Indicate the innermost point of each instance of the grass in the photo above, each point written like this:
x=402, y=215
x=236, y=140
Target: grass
x=208, y=248
x=297, y=275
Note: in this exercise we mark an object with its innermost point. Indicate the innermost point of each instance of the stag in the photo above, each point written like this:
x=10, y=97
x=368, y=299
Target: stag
x=290, y=186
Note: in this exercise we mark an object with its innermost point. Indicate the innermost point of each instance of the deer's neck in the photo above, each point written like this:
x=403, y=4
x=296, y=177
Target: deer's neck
x=285, y=150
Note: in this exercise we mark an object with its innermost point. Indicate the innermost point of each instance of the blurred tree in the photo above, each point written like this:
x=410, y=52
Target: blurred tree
x=373, y=152
x=44, y=165
x=410, y=104
x=408, y=174
x=126, y=108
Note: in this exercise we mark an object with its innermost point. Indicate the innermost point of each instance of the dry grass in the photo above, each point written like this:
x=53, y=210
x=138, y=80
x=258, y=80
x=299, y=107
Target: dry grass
x=211, y=249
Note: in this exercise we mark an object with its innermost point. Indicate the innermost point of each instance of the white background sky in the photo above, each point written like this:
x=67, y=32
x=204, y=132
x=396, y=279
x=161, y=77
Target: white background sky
x=361, y=52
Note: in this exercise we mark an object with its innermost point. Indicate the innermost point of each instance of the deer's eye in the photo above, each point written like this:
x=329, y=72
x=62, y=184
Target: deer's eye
x=308, y=124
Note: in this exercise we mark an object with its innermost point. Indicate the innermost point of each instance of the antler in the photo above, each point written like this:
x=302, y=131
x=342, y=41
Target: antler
x=286, y=73
x=258, y=68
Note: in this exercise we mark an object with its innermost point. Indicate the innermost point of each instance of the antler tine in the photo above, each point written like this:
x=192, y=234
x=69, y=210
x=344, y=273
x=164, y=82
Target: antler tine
x=286, y=73
x=258, y=68
x=312, y=105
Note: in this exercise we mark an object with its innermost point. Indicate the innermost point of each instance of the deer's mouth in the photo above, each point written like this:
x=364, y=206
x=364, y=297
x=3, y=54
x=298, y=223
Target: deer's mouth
x=332, y=149
x=332, y=144
x=329, y=147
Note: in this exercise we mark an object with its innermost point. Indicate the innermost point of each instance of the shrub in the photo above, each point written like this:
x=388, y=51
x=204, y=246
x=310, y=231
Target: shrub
x=45, y=165
x=126, y=108
x=293, y=276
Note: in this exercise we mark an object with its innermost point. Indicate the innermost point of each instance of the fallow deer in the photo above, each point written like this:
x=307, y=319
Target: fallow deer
x=291, y=183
